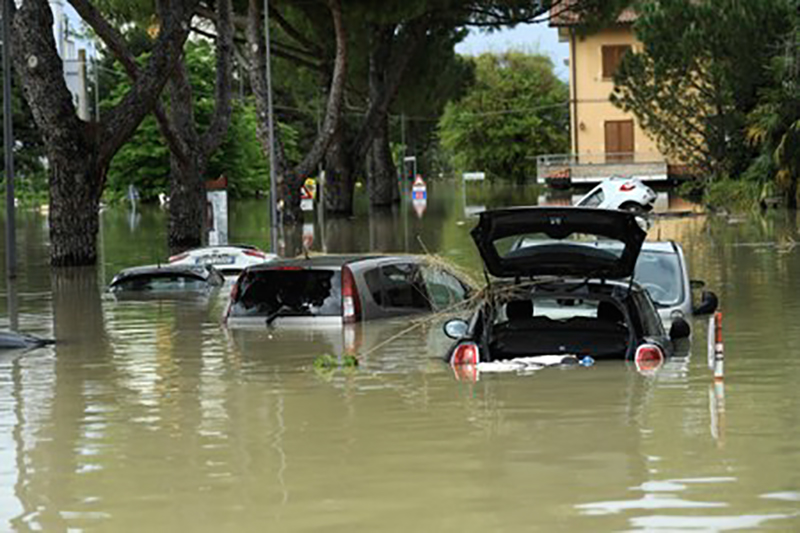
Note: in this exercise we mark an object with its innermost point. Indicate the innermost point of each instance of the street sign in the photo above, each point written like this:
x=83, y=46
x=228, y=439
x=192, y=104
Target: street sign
x=474, y=176
x=419, y=190
x=307, y=191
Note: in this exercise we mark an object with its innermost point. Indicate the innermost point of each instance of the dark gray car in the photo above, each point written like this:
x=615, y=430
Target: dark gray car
x=336, y=289
x=160, y=279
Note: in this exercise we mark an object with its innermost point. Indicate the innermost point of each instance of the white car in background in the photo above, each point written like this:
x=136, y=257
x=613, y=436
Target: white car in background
x=628, y=194
x=229, y=259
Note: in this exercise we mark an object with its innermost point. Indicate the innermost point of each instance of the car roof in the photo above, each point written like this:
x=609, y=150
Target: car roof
x=659, y=246
x=323, y=261
x=219, y=246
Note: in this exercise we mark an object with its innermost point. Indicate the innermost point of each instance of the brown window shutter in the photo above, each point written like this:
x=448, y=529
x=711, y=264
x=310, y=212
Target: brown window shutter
x=612, y=56
x=619, y=140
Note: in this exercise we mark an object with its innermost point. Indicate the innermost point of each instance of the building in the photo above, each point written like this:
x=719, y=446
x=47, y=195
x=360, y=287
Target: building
x=73, y=58
x=605, y=141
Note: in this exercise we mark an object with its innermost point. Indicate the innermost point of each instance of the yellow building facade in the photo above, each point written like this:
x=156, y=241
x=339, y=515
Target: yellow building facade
x=605, y=140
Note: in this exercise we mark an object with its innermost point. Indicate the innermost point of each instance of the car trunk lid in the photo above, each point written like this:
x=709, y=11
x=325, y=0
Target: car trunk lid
x=565, y=241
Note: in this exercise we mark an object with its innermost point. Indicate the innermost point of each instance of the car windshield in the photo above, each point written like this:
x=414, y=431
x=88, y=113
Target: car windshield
x=288, y=292
x=660, y=274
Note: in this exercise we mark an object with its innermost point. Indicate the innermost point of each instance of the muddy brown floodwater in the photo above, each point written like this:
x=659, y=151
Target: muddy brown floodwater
x=151, y=416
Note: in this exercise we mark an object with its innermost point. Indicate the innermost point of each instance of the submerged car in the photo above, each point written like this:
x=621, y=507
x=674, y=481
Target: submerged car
x=662, y=270
x=166, y=279
x=337, y=289
x=567, y=292
x=628, y=194
x=229, y=259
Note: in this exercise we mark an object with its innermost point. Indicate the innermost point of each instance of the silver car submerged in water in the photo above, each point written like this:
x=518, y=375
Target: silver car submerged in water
x=661, y=269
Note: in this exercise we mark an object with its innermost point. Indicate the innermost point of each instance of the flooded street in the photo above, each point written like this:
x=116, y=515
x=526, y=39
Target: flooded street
x=150, y=415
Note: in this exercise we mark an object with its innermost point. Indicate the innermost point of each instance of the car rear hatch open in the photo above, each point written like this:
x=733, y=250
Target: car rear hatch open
x=560, y=241
x=287, y=291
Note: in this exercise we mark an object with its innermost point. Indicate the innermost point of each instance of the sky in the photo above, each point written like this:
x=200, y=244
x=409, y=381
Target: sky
x=526, y=37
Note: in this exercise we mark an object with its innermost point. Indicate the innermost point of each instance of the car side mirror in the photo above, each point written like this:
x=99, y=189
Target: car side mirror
x=708, y=304
x=680, y=329
x=456, y=328
x=697, y=284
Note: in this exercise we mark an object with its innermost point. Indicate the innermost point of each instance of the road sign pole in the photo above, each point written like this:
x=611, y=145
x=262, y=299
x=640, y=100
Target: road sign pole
x=8, y=138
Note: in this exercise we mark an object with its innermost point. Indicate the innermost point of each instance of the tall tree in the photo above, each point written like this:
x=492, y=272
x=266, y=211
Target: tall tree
x=700, y=73
x=518, y=108
x=774, y=125
x=291, y=177
x=79, y=152
x=190, y=151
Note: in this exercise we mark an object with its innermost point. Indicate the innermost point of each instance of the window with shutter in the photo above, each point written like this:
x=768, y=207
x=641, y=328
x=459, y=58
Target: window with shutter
x=612, y=56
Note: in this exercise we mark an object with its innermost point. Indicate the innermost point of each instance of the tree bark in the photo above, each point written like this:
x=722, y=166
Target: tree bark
x=381, y=170
x=186, y=205
x=339, y=180
x=383, y=191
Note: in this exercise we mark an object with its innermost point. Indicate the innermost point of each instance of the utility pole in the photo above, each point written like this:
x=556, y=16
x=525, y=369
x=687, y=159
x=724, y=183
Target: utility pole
x=273, y=171
x=8, y=138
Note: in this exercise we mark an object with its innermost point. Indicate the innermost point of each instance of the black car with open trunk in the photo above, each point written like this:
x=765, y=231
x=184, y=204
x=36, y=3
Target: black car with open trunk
x=568, y=292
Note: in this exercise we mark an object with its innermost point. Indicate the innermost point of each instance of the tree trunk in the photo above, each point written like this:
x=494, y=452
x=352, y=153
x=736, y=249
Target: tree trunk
x=186, y=199
x=791, y=194
x=74, y=200
x=383, y=178
x=187, y=203
x=339, y=181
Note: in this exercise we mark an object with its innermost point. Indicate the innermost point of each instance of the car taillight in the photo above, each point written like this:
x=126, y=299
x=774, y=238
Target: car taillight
x=465, y=354
x=627, y=187
x=287, y=268
x=255, y=253
x=649, y=357
x=178, y=257
x=351, y=306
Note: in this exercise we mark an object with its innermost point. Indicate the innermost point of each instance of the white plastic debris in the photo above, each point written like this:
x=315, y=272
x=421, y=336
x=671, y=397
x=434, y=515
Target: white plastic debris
x=526, y=364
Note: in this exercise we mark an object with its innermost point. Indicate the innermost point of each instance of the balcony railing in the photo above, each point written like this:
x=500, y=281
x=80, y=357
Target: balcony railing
x=594, y=167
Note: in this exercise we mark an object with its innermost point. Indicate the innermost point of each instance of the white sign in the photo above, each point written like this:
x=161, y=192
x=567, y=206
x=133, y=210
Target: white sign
x=218, y=217
x=474, y=176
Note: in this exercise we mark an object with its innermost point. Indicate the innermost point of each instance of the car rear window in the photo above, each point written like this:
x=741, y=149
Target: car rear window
x=530, y=244
x=289, y=292
x=160, y=282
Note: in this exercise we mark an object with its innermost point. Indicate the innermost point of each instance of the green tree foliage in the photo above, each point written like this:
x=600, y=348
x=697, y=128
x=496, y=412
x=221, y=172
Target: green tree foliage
x=774, y=125
x=144, y=161
x=702, y=70
x=516, y=109
x=30, y=175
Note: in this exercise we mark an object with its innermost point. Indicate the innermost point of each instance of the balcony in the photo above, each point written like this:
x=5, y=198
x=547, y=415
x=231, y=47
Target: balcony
x=567, y=169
